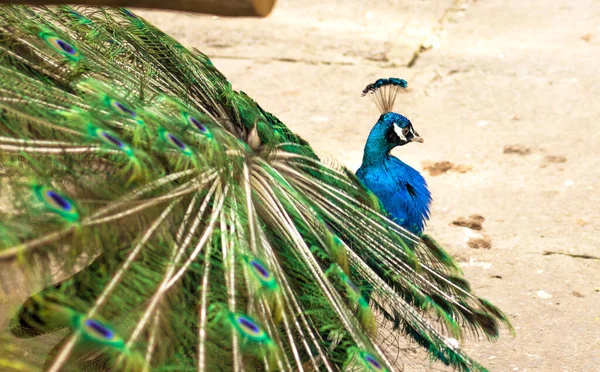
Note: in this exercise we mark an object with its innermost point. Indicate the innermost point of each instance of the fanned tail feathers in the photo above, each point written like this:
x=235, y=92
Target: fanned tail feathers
x=199, y=231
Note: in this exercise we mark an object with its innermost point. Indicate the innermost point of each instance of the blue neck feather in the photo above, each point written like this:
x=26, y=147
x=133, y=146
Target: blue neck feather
x=377, y=148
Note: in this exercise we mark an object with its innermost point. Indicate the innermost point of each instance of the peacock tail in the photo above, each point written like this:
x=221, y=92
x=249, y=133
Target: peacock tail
x=198, y=231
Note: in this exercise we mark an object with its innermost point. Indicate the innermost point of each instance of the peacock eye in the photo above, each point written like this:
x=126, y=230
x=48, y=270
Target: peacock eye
x=405, y=131
x=371, y=362
x=61, y=46
x=248, y=328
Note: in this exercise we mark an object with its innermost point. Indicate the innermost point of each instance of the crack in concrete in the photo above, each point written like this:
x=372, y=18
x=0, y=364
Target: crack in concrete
x=584, y=256
x=284, y=59
x=362, y=62
x=449, y=15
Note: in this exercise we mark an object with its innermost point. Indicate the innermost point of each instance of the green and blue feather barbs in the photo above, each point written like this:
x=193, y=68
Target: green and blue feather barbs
x=79, y=17
x=56, y=202
x=121, y=108
x=60, y=45
x=134, y=19
x=243, y=324
x=174, y=142
x=350, y=284
x=355, y=292
x=95, y=331
x=76, y=14
x=195, y=123
x=109, y=139
x=265, y=285
x=338, y=252
x=254, y=338
x=248, y=328
x=129, y=14
x=364, y=313
x=371, y=362
x=261, y=273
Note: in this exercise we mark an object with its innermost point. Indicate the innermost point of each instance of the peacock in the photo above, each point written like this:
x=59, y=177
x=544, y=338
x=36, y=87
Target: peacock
x=175, y=225
x=401, y=189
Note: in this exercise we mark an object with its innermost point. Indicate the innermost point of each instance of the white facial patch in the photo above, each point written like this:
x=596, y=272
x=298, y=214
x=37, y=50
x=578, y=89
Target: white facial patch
x=398, y=131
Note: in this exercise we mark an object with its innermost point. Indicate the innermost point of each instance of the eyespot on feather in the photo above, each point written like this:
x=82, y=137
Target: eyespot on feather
x=95, y=331
x=56, y=202
x=261, y=273
x=174, y=142
x=248, y=328
x=61, y=46
x=109, y=139
x=119, y=107
x=371, y=362
x=196, y=123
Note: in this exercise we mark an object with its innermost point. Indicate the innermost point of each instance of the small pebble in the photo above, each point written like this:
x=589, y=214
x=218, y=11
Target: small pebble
x=452, y=342
x=543, y=294
x=480, y=243
x=516, y=149
x=555, y=159
x=440, y=167
x=474, y=221
x=319, y=119
x=483, y=265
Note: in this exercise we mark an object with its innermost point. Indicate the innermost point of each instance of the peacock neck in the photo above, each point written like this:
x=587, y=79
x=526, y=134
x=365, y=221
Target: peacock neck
x=377, y=149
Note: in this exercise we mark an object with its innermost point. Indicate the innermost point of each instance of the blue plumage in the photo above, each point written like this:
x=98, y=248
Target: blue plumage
x=400, y=188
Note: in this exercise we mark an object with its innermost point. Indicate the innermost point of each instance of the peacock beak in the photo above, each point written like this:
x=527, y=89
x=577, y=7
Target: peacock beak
x=417, y=139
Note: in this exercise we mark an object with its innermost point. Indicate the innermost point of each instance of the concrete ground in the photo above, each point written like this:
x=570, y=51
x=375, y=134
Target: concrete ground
x=505, y=90
x=505, y=94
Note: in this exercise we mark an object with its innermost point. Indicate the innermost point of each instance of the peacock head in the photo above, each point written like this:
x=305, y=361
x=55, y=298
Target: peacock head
x=398, y=130
x=392, y=129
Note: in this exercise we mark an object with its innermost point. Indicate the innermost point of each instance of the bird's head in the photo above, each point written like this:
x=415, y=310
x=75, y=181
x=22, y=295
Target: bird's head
x=398, y=130
x=393, y=128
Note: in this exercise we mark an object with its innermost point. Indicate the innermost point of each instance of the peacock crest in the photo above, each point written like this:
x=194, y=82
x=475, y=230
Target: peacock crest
x=383, y=92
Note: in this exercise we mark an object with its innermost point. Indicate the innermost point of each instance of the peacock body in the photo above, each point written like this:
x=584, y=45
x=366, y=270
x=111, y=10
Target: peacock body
x=401, y=189
x=192, y=229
